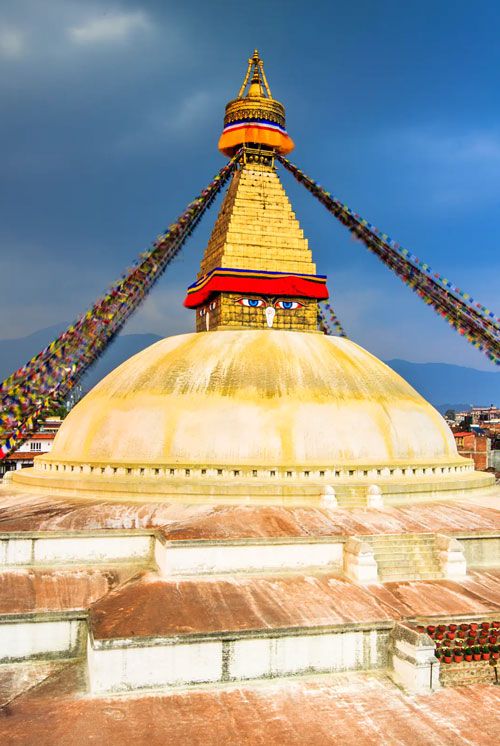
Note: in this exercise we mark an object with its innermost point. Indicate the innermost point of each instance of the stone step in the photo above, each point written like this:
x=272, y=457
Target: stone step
x=410, y=573
x=402, y=547
x=407, y=567
x=400, y=537
x=397, y=577
x=405, y=535
x=413, y=552
x=406, y=556
x=402, y=541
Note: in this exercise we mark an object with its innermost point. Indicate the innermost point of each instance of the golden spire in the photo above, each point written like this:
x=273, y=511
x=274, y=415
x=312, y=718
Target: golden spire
x=259, y=82
x=255, y=117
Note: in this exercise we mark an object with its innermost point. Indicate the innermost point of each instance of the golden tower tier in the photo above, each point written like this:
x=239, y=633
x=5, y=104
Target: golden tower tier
x=257, y=271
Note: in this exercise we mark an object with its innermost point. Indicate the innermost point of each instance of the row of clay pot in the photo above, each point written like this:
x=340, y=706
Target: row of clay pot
x=457, y=655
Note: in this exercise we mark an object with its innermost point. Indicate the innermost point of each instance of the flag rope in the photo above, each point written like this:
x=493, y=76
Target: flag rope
x=471, y=319
x=49, y=376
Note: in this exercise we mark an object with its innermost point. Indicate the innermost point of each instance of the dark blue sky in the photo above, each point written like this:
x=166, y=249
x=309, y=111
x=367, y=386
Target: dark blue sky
x=110, y=115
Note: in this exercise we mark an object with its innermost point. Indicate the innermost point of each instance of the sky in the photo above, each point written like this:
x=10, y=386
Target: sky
x=110, y=114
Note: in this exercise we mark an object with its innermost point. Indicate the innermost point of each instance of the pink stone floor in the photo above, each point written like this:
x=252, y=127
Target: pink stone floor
x=346, y=710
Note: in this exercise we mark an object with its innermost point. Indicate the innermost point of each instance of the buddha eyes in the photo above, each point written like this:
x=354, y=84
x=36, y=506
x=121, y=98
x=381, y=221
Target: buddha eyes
x=203, y=311
x=288, y=305
x=251, y=302
x=285, y=305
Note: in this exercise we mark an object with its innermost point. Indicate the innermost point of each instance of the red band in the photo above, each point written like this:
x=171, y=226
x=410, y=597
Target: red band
x=287, y=285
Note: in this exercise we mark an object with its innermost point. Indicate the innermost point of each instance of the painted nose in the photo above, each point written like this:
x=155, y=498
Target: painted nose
x=270, y=314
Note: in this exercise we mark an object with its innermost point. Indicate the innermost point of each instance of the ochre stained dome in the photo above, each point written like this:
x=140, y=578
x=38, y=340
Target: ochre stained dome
x=250, y=397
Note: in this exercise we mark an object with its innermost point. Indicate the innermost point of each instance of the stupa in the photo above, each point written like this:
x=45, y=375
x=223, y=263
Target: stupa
x=257, y=402
x=249, y=502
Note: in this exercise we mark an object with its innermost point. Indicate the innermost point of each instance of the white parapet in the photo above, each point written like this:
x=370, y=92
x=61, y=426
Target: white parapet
x=67, y=550
x=149, y=666
x=359, y=561
x=451, y=557
x=179, y=558
x=126, y=665
x=292, y=654
x=414, y=666
x=27, y=639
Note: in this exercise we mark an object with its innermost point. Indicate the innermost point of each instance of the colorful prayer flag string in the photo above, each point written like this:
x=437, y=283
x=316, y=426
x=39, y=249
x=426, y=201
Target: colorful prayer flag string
x=329, y=321
x=475, y=322
x=50, y=375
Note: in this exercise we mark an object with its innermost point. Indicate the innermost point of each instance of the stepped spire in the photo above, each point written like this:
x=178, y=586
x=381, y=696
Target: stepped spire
x=255, y=117
x=257, y=271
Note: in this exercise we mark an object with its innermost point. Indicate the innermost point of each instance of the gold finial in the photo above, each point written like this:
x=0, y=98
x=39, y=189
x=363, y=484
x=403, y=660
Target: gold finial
x=258, y=83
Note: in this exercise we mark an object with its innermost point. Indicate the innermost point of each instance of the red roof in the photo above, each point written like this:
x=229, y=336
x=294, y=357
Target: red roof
x=24, y=455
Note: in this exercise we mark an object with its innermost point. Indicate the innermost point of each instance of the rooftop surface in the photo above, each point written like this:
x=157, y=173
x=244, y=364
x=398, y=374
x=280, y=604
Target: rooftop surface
x=351, y=709
x=25, y=511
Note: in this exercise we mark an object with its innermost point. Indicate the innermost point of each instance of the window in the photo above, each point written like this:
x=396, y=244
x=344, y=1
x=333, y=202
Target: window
x=35, y=445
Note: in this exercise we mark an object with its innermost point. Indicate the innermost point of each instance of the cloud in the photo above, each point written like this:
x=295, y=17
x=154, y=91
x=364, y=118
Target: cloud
x=163, y=313
x=454, y=169
x=12, y=43
x=474, y=147
x=110, y=28
x=180, y=121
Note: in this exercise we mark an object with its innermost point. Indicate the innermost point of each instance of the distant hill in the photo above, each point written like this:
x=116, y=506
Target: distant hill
x=449, y=386
x=16, y=352
x=446, y=386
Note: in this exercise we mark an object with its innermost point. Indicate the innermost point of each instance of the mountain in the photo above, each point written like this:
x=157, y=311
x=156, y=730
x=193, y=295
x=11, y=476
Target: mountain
x=446, y=386
x=16, y=352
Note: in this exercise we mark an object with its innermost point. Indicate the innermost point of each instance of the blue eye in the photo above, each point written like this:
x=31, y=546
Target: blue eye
x=251, y=302
x=288, y=305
